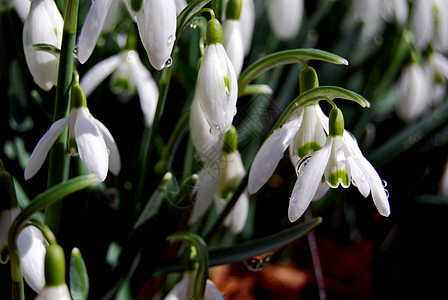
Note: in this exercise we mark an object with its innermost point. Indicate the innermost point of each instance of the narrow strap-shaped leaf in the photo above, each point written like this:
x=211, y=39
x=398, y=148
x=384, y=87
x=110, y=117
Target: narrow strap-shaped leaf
x=285, y=57
x=79, y=279
x=188, y=13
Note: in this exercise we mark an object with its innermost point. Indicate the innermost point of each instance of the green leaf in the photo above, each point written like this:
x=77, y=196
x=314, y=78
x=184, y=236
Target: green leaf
x=79, y=280
x=285, y=57
x=47, y=48
x=188, y=13
x=313, y=96
x=249, y=249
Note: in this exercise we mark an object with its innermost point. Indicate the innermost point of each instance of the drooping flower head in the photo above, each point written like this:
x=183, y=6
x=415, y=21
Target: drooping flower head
x=88, y=138
x=43, y=25
x=339, y=162
x=217, y=84
x=232, y=36
x=285, y=17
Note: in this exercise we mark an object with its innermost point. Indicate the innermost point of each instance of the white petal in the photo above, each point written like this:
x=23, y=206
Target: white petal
x=212, y=292
x=285, y=17
x=183, y=289
x=180, y=5
x=22, y=8
x=44, y=24
x=270, y=154
x=439, y=63
x=308, y=181
x=114, y=155
x=91, y=145
x=322, y=189
x=208, y=182
x=233, y=43
x=237, y=218
x=218, y=101
x=359, y=179
x=422, y=23
x=59, y=292
x=44, y=145
x=7, y=216
x=92, y=28
x=30, y=243
x=247, y=21
x=208, y=146
x=148, y=91
x=156, y=23
x=99, y=72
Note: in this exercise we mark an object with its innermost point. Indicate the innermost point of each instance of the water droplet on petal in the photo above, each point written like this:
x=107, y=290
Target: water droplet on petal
x=215, y=130
x=171, y=39
x=257, y=263
x=363, y=178
x=293, y=200
x=76, y=51
x=387, y=193
x=384, y=183
x=301, y=163
x=168, y=62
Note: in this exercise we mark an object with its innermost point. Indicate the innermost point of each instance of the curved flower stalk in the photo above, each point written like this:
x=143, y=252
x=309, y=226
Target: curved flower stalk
x=184, y=289
x=95, y=145
x=31, y=245
x=430, y=24
x=129, y=76
x=285, y=17
x=414, y=94
x=55, y=287
x=232, y=35
x=303, y=133
x=156, y=22
x=43, y=25
x=218, y=182
x=339, y=162
x=217, y=86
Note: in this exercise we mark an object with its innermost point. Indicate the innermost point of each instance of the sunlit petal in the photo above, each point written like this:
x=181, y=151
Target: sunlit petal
x=99, y=72
x=114, y=155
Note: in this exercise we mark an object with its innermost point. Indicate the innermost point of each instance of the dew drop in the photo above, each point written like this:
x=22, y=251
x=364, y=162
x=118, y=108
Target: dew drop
x=171, y=39
x=168, y=62
x=292, y=200
x=76, y=51
x=215, y=130
x=363, y=178
x=193, y=25
x=384, y=183
x=258, y=262
x=387, y=193
x=302, y=163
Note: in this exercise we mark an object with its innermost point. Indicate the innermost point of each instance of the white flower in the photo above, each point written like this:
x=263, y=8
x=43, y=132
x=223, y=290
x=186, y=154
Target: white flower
x=217, y=88
x=340, y=161
x=414, y=94
x=184, y=289
x=303, y=133
x=59, y=292
x=233, y=43
x=436, y=70
x=247, y=21
x=93, y=139
x=43, y=25
x=207, y=145
x=31, y=246
x=218, y=182
x=156, y=23
x=22, y=7
x=129, y=71
x=285, y=17
x=180, y=5
x=430, y=24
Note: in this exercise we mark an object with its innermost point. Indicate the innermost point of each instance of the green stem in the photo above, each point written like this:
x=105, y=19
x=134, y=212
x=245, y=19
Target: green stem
x=59, y=162
x=164, y=87
x=202, y=252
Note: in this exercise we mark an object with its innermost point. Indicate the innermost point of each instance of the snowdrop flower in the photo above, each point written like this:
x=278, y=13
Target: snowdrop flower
x=219, y=181
x=156, y=22
x=217, y=86
x=232, y=37
x=247, y=22
x=31, y=246
x=397, y=10
x=413, y=93
x=208, y=146
x=340, y=162
x=285, y=17
x=304, y=133
x=55, y=287
x=129, y=76
x=180, y=5
x=95, y=145
x=436, y=70
x=430, y=24
x=43, y=25
x=184, y=289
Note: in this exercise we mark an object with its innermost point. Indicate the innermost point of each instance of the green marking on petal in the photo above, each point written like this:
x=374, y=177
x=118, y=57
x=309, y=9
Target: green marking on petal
x=227, y=84
x=121, y=84
x=339, y=176
x=72, y=146
x=227, y=194
x=308, y=148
